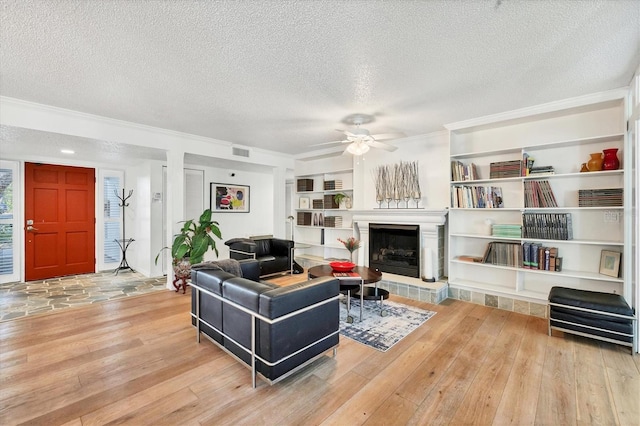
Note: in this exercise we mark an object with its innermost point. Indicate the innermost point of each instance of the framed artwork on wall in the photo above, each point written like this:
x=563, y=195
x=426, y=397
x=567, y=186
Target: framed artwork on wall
x=610, y=263
x=230, y=198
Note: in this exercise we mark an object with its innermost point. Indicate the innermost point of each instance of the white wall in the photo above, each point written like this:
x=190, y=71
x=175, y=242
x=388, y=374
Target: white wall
x=259, y=220
x=432, y=153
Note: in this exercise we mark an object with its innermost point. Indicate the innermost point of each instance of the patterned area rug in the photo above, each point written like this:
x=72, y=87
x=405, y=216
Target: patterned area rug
x=381, y=332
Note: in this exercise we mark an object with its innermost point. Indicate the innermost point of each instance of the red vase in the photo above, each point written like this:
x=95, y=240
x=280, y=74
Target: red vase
x=611, y=161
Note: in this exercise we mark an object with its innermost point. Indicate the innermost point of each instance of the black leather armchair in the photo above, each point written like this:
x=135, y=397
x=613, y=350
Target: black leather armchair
x=291, y=326
x=274, y=255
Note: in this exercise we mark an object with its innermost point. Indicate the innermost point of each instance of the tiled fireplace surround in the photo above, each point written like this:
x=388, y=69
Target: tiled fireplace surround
x=432, y=236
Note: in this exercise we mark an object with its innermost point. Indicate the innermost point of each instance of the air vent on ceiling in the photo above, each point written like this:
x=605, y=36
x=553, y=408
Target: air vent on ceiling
x=241, y=152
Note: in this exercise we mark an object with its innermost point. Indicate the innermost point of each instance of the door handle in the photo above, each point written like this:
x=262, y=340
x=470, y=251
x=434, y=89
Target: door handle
x=31, y=228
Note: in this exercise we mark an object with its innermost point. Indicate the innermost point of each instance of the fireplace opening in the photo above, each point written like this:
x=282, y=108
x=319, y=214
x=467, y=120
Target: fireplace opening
x=395, y=249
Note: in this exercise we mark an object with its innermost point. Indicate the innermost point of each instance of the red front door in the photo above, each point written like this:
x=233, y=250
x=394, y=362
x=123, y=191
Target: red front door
x=59, y=221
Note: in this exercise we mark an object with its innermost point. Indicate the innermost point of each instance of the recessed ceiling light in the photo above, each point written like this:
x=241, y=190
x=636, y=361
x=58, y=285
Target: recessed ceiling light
x=67, y=151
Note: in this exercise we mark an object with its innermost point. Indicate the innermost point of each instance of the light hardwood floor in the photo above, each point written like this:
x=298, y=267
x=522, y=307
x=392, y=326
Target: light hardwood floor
x=136, y=361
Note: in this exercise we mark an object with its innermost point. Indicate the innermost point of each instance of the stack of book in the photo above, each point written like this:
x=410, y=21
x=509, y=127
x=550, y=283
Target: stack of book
x=542, y=171
x=477, y=197
x=611, y=197
x=318, y=204
x=506, y=231
x=332, y=185
x=549, y=226
x=304, y=218
x=304, y=185
x=504, y=254
x=461, y=171
x=507, y=169
x=333, y=221
x=536, y=256
x=538, y=193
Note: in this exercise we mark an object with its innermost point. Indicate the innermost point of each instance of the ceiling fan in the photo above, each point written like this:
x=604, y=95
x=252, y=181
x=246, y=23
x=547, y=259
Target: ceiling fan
x=360, y=140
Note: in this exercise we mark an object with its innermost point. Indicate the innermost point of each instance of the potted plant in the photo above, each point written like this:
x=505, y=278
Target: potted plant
x=340, y=197
x=191, y=244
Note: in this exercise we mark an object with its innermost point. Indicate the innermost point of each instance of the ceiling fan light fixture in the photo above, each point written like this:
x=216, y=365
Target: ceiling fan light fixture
x=358, y=148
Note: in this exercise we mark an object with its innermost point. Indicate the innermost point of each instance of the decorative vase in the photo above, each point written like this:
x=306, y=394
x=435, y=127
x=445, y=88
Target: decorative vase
x=583, y=168
x=595, y=163
x=347, y=203
x=611, y=161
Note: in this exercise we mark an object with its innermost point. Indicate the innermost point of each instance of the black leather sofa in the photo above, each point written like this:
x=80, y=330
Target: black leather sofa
x=294, y=325
x=272, y=254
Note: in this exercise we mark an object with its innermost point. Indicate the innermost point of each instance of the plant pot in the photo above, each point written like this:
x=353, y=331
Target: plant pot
x=611, y=161
x=182, y=268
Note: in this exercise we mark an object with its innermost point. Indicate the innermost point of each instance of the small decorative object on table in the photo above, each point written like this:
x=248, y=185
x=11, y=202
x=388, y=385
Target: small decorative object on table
x=342, y=266
x=352, y=244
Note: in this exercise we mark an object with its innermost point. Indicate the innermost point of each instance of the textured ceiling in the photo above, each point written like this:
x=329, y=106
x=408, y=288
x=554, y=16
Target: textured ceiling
x=281, y=75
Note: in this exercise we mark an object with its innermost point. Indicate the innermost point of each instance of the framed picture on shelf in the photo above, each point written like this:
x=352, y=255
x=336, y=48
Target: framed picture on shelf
x=230, y=198
x=304, y=202
x=610, y=263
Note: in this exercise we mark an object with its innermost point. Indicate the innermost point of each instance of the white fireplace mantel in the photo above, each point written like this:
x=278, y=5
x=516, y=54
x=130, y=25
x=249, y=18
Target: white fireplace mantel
x=401, y=216
x=427, y=219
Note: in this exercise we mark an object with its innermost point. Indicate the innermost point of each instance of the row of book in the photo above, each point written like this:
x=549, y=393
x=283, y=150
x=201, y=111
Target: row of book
x=527, y=256
x=537, y=256
x=548, y=226
x=538, y=193
x=461, y=171
x=477, y=197
x=503, y=254
x=606, y=197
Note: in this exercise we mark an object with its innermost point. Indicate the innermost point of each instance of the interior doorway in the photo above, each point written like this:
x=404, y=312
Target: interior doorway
x=59, y=221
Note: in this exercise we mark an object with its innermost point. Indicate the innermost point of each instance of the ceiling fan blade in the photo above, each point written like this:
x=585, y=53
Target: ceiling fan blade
x=329, y=143
x=383, y=136
x=381, y=145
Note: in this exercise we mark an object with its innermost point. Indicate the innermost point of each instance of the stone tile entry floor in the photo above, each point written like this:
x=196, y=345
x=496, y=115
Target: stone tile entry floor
x=19, y=299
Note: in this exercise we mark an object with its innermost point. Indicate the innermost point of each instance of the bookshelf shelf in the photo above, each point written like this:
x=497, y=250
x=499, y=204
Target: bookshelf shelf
x=555, y=140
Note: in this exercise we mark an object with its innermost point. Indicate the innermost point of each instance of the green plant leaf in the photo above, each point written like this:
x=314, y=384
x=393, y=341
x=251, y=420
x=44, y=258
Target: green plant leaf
x=205, y=216
x=199, y=245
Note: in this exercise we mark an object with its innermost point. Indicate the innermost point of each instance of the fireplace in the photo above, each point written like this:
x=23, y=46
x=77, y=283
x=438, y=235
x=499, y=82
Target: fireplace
x=395, y=249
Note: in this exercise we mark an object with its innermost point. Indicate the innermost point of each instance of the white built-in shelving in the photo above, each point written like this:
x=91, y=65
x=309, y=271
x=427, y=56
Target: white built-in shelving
x=323, y=240
x=561, y=135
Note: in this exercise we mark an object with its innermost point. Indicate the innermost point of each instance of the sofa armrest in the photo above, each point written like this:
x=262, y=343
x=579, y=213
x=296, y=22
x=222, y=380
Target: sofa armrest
x=250, y=269
x=241, y=245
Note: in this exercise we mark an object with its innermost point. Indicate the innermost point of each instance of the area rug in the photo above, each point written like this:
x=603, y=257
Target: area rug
x=377, y=331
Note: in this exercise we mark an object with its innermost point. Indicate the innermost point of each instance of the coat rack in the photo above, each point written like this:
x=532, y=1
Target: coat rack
x=124, y=242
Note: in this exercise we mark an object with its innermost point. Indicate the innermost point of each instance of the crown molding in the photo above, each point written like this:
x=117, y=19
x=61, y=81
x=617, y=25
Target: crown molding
x=580, y=101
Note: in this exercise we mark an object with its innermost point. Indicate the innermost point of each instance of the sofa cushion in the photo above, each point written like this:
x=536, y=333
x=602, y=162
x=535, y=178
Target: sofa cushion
x=237, y=324
x=605, y=302
x=263, y=247
x=288, y=336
